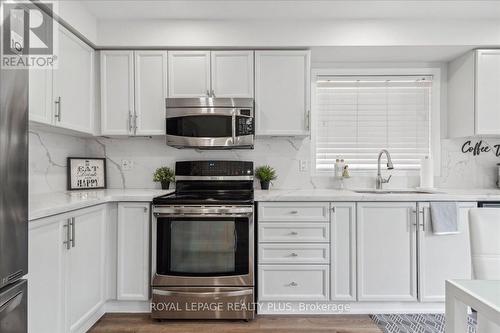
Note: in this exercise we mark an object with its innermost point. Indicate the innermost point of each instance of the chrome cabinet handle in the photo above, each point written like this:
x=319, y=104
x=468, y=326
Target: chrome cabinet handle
x=58, y=109
x=135, y=123
x=67, y=242
x=208, y=93
x=293, y=254
x=212, y=92
x=293, y=284
x=294, y=212
x=294, y=233
x=130, y=121
x=307, y=119
x=72, y=223
x=423, y=219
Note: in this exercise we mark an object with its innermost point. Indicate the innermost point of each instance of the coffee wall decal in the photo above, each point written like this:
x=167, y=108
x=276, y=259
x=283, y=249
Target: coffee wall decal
x=480, y=147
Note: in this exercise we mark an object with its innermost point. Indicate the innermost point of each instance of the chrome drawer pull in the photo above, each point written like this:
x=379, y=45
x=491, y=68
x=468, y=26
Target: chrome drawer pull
x=293, y=284
x=294, y=233
x=294, y=212
x=293, y=254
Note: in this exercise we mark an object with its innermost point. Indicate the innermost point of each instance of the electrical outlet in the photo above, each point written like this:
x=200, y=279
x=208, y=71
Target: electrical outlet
x=303, y=165
x=127, y=165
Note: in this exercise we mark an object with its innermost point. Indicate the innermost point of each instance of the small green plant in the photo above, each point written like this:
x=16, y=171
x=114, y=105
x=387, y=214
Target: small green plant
x=164, y=175
x=265, y=173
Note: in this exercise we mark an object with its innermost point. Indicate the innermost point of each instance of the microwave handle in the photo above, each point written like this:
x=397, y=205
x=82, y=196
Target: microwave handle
x=234, y=128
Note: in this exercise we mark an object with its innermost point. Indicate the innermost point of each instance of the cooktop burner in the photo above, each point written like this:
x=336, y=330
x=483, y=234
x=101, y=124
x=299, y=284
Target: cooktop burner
x=210, y=198
x=211, y=183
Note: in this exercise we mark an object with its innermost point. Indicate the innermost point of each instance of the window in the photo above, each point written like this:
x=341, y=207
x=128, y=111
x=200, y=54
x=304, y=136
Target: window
x=357, y=116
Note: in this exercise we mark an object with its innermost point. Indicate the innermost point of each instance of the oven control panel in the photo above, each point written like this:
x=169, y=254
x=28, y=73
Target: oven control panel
x=214, y=168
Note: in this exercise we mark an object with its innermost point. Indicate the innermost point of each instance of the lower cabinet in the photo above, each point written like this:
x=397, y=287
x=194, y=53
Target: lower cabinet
x=442, y=257
x=133, y=251
x=66, y=271
x=387, y=251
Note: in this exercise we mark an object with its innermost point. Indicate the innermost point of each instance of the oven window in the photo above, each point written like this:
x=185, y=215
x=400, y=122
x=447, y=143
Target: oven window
x=200, y=126
x=202, y=247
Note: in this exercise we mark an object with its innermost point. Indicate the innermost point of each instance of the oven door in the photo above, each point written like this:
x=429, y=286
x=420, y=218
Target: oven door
x=203, y=246
x=209, y=127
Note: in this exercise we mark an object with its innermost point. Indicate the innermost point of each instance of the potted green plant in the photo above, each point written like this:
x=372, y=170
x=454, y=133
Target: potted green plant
x=266, y=174
x=165, y=176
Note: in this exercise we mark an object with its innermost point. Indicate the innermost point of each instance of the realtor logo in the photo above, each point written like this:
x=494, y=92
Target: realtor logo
x=28, y=36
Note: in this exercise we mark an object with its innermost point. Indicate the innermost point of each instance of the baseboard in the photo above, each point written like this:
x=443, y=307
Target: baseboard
x=328, y=308
x=114, y=306
x=91, y=320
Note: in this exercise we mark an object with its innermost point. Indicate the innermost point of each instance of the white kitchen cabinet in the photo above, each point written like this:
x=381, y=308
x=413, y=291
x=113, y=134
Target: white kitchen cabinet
x=85, y=269
x=133, y=92
x=232, y=73
x=282, y=93
x=117, y=93
x=474, y=94
x=64, y=96
x=46, y=267
x=188, y=73
x=66, y=271
x=387, y=251
x=442, y=257
x=294, y=212
x=40, y=96
x=150, y=92
x=73, y=84
x=293, y=282
x=133, y=251
x=343, y=251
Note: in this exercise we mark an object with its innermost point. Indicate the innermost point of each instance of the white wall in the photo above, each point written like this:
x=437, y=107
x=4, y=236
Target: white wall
x=297, y=33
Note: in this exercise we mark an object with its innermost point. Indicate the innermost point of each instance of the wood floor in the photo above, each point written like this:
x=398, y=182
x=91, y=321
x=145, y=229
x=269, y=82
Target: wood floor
x=141, y=323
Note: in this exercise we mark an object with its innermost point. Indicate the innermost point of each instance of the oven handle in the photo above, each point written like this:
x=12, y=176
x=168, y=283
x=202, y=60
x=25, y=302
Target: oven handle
x=203, y=294
x=202, y=215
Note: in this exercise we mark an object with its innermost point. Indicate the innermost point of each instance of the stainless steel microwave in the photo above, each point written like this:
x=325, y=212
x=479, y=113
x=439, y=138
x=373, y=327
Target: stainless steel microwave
x=210, y=123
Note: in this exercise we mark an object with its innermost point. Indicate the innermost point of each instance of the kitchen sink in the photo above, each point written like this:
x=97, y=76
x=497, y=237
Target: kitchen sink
x=394, y=191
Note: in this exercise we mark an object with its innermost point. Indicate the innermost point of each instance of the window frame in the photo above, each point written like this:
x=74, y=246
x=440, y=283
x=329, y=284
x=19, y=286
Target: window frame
x=435, y=112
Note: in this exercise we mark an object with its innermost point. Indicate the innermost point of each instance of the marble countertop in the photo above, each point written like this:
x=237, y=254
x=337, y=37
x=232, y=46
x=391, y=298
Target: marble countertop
x=350, y=195
x=43, y=205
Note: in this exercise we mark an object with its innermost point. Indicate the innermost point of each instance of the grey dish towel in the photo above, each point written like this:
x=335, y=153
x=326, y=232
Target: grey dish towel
x=444, y=218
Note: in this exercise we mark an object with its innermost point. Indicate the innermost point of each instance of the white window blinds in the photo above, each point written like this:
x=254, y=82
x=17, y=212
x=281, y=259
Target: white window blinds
x=358, y=116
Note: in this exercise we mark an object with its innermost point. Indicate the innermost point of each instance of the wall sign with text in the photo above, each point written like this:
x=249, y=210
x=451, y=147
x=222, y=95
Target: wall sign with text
x=479, y=147
x=86, y=173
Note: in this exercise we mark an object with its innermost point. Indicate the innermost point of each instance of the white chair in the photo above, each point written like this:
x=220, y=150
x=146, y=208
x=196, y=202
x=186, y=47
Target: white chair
x=484, y=225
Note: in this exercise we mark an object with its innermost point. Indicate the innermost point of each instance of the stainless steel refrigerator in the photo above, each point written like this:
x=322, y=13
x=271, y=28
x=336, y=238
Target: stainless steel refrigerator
x=13, y=199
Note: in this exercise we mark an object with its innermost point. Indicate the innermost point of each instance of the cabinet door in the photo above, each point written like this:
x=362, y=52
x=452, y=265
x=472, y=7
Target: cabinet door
x=46, y=258
x=343, y=251
x=487, y=99
x=117, y=92
x=442, y=257
x=150, y=92
x=85, y=273
x=232, y=73
x=188, y=73
x=387, y=259
x=74, y=84
x=40, y=95
x=282, y=90
x=133, y=251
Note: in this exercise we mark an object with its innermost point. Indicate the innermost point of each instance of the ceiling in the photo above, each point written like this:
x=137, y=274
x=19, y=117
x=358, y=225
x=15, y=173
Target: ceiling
x=293, y=9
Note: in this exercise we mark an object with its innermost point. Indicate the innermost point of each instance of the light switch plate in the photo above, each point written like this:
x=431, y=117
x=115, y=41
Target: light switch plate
x=127, y=165
x=303, y=165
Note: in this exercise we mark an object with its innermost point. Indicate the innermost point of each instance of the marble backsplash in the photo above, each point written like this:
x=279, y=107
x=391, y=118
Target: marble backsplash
x=48, y=153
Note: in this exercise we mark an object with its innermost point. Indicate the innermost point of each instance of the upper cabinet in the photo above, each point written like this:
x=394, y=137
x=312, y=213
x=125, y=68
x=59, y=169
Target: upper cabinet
x=133, y=92
x=210, y=73
x=188, y=73
x=474, y=94
x=64, y=96
x=232, y=74
x=282, y=93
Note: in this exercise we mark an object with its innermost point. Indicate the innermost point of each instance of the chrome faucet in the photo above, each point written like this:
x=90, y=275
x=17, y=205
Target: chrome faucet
x=390, y=166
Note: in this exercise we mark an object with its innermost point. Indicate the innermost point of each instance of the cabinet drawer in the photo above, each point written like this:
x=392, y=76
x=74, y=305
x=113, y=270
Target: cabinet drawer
x=293, y=211
x=294, y=232
x=294, y=253
x=293, y=282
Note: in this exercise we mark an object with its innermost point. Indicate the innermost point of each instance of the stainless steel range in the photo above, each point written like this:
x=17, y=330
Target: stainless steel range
x=203, y=243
